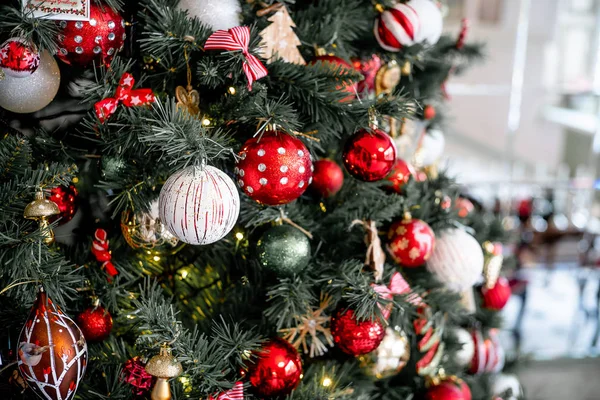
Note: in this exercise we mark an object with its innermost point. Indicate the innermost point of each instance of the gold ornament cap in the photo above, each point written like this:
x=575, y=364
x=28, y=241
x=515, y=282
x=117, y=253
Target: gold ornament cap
x=164, y=365
x=41, y=207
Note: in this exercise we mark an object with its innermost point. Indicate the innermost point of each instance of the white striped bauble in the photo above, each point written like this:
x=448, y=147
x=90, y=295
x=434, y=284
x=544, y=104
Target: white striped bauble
x=457, y=260
x=405, y=24
x=199, y=205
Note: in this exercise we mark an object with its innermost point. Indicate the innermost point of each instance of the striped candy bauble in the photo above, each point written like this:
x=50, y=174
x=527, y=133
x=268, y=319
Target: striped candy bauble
x=457, y=260
x=405, y=24
x=199, y=205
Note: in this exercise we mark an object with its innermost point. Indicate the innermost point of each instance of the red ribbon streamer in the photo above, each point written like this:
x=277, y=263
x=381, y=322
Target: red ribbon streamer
x=235, y=393
x=124, y=94
x=102, y=253
x=238, y=38
x=464, y=29
x=397, y=286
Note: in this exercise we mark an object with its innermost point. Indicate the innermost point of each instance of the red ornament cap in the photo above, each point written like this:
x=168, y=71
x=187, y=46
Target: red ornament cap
x=95, y=323
x=355, y=337
x=277, y=370
x=66, y=200
x=369, y=155
x=496, y=297
x=344, y=68
x=17, y=59
x=81, y=42
x=449, y=389
x=274, y=168
x=400, y=175
x=328, y=178
x=134, y=373
x=410, y=242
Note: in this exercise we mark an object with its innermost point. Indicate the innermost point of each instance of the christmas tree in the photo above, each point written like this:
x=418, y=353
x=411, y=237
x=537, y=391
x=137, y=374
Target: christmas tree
x=179, y=219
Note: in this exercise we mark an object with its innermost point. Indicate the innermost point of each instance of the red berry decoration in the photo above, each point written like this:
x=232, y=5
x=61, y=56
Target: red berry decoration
x=95, y=323
x=328, y=178
x=410, y=242
x=429, y=112
x=464, y=207
x=134, y=373
x=81, y=42
x=450, y=388
x=275, y=168
x=277, y=369
x=355, y=337
x=495, y=298
x=17, y=59
x=369, y=155
x=66, y=200
x=345, y=68
x=400, y=175
x=446, y=202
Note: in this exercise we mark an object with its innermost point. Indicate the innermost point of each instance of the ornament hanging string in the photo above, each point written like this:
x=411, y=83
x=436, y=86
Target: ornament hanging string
x=375, y=257
x=265, y=124
x=102, y=253
x=188, y=98
x=126, y=95
x=284, y=218
x=238, y=38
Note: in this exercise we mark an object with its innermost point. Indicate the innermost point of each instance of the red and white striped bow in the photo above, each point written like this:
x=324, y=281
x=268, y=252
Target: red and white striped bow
x=235, y=393
x=238, y=38
x=102, y=253
x=125, y=94
x=398, y=285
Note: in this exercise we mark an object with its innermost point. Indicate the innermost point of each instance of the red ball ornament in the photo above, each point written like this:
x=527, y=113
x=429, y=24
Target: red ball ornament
x=277, y=370
x=134, y=373
x=369, y=155
x=53, y=353
x=355, y=337
x=410, y=242
x=17, y=59
x=328, y=178
x=449, y=389
x=400, y=175
x=495, y=298
x=446, y=202
x=81, y=42
x=274, y=168
x=368, y=68
x=464, y=207
x=95, y=323
x=66, y=200
x=344, y=68
x=429, y=112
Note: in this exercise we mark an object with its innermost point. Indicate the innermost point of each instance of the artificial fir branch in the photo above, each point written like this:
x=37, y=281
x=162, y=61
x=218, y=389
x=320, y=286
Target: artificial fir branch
x=20, y=22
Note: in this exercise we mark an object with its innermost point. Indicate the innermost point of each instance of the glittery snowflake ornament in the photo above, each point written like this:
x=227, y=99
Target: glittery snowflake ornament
x=410, y=242
x=52, y=350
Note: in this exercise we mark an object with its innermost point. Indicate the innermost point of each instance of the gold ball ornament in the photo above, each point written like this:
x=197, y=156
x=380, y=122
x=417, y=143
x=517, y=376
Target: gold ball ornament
x=31, y=94
x=390, y=357
x=40, y=210
x=163, y=366
x=406, y=68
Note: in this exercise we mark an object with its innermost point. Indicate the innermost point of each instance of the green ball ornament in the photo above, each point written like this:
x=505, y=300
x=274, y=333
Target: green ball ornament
x=284, y=250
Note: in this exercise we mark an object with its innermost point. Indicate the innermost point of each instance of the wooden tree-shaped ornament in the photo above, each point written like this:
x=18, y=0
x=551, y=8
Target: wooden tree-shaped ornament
x=279, y=38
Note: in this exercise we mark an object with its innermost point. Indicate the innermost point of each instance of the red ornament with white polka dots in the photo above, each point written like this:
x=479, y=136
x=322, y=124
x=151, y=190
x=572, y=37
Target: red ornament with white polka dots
x=18, y=59
x=81, y=42
x=274, y=168
x=410, y=242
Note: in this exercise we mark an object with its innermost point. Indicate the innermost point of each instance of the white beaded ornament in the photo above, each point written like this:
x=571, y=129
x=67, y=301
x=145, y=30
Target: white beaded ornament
x=199, y=205
x=457, y=260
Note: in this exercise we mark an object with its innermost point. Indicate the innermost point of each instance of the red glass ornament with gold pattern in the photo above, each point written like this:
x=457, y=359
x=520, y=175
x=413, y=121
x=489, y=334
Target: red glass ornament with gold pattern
x=66, y=200
x=450, y=388
x=274, y=168
x=328, y=178
x=53, y=352
x=369, y=155
x=276, y=370
x=410, y=242
x=355, y=337
x=400, y=175
x=99, y=39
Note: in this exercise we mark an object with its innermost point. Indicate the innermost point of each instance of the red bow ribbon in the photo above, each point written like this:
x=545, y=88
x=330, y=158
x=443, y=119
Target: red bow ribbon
x=124, y=94
x=464, y=29
x=235, y=393
x=398, y=285
x=102, y=253
x=238, y=38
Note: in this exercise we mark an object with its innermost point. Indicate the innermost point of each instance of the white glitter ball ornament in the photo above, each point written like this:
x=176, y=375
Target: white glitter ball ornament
x=463, y=356
x=217, y=14
x=199, y=205
x=31, y=94
x=457, y=260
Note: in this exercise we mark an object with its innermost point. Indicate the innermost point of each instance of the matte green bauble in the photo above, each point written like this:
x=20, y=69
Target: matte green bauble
x=284, y=250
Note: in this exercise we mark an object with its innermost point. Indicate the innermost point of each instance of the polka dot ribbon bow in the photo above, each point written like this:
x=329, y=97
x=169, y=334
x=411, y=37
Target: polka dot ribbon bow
x=398, y=285
x=126, y=95
x=102, y=253
x=235, y=393
x=238, y=38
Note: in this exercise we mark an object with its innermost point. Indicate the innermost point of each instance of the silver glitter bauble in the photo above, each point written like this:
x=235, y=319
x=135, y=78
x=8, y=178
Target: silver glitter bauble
x=284, y=250
x=31, y=94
